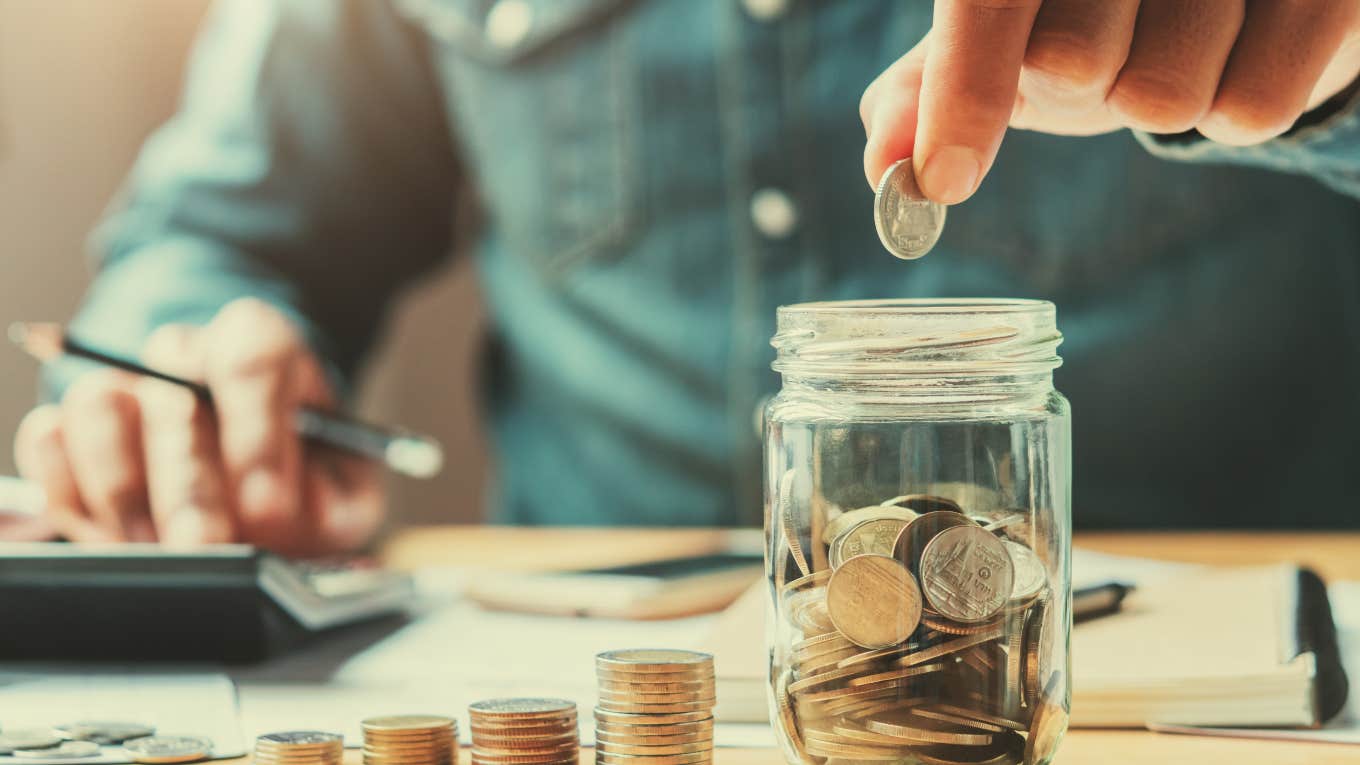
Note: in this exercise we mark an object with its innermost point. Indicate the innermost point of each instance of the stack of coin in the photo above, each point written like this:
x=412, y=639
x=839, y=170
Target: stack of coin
x=927, y=636
x=410, y=740
x=524, y=732
x=299, y=747
x=655, y=708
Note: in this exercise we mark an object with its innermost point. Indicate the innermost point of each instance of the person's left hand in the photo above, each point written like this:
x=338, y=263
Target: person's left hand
x=1238, y=71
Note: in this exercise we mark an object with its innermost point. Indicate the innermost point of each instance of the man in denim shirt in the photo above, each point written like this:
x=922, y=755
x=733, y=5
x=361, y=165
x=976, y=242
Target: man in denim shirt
x=651, y=179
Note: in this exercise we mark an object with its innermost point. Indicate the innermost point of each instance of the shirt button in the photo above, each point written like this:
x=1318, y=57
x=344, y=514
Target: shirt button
x=773, y=213
x=765, y=10
x=508, y=23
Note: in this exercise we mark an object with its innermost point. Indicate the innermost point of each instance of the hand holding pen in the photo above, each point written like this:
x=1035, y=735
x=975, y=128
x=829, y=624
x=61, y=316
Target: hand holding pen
x=206, y=442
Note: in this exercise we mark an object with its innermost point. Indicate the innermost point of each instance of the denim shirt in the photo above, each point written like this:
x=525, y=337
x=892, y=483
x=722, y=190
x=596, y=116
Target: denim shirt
x=646, y=181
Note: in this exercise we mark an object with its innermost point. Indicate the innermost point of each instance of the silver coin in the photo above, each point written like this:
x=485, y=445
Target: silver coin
x=104, y=731
x=1030, y=577
x=299, y=737
x=35, y=738
x=168, y=749
x=908, y=223
x=64, y=750
x=966, y=574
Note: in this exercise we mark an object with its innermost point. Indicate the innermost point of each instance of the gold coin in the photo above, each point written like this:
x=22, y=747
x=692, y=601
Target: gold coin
x=924, y=503
x=842, y=524
x=700, y=728
x=830, y=642
x=822, y=748
x=522, y=709
x=887, y=687
x=826, y=661
x=911, y=543
x=814, y=579
x=1038, y=650
x=1007, y=749
x=910, y=728
x=615, y=747
x=1050, y=720
x=861, y=658
x=654, y=660
x=963, y=720
x=896, y=674
x=966, y=574
x=657, y=698
x=950, y=646
x=917, y=736
x=987, y=717
x=651, y=739
x=823, y=678
x=788, y=522
x=656, y=709
x=787, y=721
x=642, y=759
x=610, y=716
x=941, y=624
x=406, y=723
x=563, y=728
x=874, y=601
x=667, y=687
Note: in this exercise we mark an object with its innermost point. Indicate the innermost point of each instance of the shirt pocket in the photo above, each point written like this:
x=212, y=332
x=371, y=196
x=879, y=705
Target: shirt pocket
x=539, y=96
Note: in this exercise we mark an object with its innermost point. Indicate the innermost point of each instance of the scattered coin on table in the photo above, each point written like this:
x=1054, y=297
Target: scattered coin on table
x=64, y=750
x=29, y=738
x=158, y=750
x=104, y=732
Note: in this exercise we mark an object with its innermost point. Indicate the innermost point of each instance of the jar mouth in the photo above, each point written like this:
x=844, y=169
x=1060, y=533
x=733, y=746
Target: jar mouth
x=957, y=338
x=923, y=306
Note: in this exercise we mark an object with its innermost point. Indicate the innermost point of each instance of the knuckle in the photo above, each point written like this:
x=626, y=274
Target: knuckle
x=165, y=405
x=1069, y=62
x=251, y=337
x=1158, y=101
x=39, y=432
x=1244, y=117
x=95, y=393
x=169, y=344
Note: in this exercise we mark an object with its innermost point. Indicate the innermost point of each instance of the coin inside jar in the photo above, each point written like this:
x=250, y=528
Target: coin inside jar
x=907, y=222
x=966, y=574
x=874, y=601
x=914, y=538
x=875, y=536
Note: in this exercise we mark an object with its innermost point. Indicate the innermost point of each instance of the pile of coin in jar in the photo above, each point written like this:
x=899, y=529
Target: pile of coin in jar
x=925, y=638
x=410, y=740
x=655, y=707
x=524, y=732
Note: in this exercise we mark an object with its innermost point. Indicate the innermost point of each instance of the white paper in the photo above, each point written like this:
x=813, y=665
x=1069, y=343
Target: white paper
x=175, y=704
x=1345, y=727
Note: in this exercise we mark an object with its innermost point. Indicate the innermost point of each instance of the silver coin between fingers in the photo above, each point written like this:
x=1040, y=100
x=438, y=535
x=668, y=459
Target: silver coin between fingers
x=908, y=223
x=64, y=750
x=168, y=749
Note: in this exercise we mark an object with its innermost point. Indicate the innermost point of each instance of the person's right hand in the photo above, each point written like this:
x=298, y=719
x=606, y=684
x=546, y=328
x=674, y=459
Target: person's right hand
x=126, y=458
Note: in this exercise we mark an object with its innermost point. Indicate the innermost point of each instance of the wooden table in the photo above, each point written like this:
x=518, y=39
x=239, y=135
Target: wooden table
x=1334, y=555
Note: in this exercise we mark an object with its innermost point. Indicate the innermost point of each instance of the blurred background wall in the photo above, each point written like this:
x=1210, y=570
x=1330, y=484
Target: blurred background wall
x=82, y=83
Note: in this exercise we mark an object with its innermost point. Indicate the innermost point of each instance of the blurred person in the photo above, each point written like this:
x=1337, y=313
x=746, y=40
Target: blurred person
x=652, y=179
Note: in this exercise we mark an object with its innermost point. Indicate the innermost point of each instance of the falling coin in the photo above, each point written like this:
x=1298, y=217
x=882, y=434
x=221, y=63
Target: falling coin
x=908, y=223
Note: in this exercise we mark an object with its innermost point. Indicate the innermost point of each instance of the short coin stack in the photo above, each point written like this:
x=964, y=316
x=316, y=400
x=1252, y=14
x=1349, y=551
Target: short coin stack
x=299, y=747
x=410, y=740
x=656, y=708
x=524, y=732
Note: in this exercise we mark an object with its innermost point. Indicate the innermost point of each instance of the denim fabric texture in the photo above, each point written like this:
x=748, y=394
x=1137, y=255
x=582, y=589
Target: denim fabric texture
x=612, y=149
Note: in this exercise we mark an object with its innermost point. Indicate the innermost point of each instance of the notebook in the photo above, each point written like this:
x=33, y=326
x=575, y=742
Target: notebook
x=1178, y=653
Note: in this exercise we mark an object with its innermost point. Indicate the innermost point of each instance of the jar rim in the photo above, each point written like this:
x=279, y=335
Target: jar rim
x=930, y=306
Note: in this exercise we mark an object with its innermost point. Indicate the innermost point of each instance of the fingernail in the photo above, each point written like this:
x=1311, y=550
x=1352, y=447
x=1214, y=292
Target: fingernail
x=186, y=528
x=950, y=174
x=260, y=491
x=140, y=528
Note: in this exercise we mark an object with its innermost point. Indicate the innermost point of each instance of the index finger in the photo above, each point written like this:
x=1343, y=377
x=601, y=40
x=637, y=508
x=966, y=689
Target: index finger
x=968, y=91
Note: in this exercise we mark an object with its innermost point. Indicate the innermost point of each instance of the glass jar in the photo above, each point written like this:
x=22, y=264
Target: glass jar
x=917, y=515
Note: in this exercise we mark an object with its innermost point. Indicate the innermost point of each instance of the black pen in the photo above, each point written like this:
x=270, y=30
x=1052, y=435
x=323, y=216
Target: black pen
x=1098, y=600
x=403, y=452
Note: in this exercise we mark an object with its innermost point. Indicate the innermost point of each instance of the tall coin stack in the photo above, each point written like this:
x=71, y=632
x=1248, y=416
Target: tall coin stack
x=656, y=708
x=299, y=747
x=410, y=740
x=524, y=732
